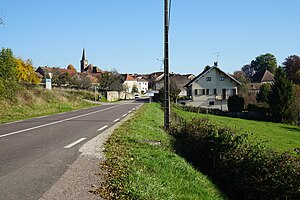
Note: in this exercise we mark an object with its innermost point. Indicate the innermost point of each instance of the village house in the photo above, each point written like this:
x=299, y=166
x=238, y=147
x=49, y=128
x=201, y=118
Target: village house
x=135, y=81
x=178, y=79
x=129, y=83
x=259, y=78
x=153, y=78
x=142, y=85
x=211, y=88
x=44, y=71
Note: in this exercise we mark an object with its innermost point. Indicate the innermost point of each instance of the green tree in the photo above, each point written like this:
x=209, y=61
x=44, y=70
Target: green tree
x=81, y=82
x=235, y=103
x=55, y=75
x=281, y=97
x=160, y=97
x=244, y=80
x=295, y=106
x=85, y=83
x=110, y=80
x=174, y=90
x=134, y=89
x=7, y=65
x=265, y=61
x=64, y=79
x=291, y=66
x=264, y=93
x=248, y=71
x=8, y=74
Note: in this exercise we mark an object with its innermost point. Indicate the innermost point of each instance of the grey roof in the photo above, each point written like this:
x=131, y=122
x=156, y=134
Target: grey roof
x=208, y=70
x=262, y=76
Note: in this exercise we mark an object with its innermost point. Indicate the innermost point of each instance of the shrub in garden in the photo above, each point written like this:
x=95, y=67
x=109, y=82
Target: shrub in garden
x=236, y=103
x=244, y=168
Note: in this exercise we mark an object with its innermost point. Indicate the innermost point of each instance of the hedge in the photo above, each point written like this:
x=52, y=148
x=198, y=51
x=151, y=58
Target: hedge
x=243, y=168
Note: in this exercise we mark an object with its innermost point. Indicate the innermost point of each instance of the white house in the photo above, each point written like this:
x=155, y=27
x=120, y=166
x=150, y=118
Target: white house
x=129, y=83
x=142, y=85
x=212, y=88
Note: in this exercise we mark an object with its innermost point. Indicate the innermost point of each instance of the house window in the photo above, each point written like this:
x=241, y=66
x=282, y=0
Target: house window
x=215, y=91
x=207, y=91
x=222, y=78
x=203, y=91
x=196, y=92
x=208, y=78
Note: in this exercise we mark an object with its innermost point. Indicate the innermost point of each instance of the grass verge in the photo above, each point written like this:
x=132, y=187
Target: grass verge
x=280, y=137
x=35, y=102
x=142, y=164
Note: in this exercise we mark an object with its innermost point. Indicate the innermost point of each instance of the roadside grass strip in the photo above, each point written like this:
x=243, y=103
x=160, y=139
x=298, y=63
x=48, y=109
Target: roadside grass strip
x=141, y=163
x=38, y=102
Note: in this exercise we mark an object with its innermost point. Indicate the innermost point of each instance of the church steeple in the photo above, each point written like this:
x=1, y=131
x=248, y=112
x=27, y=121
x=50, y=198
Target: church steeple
x=83, y=54
x=83, y=62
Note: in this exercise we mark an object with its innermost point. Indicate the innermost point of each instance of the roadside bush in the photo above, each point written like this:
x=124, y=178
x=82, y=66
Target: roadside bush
x=236, y=104
x=243, y=168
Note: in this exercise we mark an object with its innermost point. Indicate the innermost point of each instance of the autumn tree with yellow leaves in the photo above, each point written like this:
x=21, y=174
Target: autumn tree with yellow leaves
x=25, y=71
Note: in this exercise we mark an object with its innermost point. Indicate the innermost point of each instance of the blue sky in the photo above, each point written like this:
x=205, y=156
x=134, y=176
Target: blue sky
x=128, y=35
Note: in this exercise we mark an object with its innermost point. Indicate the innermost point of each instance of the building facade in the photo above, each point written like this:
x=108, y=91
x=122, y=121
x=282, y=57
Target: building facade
x=212, y=87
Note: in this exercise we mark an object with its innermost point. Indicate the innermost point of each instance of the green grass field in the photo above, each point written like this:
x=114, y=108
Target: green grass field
x=280, y=137
x=142, y=164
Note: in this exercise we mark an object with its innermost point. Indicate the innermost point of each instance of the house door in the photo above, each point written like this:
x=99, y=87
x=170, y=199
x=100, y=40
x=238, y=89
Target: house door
x=223, y=94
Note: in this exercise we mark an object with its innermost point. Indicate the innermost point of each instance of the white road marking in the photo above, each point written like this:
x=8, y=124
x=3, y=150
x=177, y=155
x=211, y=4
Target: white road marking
x=124, y=115
x=74, y=143
x=129, y=111
x=56, y=122
x=104, y=127
x=116, y=120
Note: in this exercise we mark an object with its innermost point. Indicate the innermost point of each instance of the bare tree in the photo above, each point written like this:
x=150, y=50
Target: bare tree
x=1, y=19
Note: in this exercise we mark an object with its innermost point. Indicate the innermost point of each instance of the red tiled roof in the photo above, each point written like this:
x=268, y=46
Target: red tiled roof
x=67, y=70
x=129, y=78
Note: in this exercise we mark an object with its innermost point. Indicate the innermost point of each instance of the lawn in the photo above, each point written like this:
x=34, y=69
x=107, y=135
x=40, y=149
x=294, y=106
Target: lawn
x=143, y=165
x=281, y=137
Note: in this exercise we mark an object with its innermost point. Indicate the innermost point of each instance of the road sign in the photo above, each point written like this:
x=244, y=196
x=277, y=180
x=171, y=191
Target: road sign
x=150, y=94
x=48, y=84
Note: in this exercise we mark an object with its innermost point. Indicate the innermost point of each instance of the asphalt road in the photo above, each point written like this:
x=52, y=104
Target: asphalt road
x=35, y=153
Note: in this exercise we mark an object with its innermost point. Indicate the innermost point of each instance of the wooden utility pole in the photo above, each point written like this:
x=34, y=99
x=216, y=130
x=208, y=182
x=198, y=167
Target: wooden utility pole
x=166, y=68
